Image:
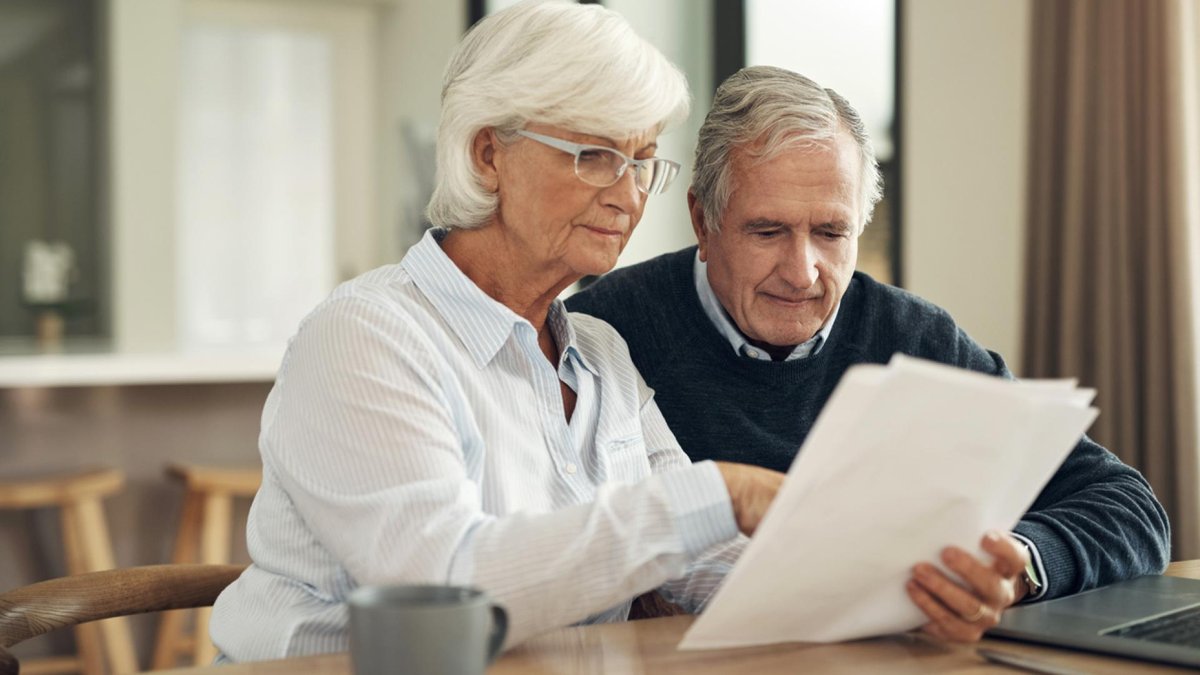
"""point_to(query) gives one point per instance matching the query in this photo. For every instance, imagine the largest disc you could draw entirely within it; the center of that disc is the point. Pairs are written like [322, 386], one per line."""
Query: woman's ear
[483, 154]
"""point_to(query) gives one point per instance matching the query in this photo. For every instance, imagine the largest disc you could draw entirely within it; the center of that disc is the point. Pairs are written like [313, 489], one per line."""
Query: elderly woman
[445, 420]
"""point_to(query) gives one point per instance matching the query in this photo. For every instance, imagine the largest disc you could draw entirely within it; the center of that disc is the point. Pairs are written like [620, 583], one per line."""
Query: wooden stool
[88, 548]
[204, 536]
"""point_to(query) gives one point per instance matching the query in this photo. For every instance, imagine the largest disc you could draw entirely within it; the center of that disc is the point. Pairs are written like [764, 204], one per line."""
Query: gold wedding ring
[979, 614]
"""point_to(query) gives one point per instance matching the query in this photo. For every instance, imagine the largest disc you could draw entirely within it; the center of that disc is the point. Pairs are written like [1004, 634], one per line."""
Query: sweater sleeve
[1097, 521]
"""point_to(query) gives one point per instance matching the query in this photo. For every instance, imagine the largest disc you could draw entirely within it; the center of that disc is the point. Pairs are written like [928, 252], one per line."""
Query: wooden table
[648, 647]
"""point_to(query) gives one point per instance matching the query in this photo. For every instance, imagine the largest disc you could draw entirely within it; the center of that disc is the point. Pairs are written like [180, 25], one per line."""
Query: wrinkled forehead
[613, 135]
[836, 155]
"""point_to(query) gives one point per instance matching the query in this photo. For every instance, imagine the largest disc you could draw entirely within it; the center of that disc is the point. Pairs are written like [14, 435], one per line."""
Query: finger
[982, 581]
[944, 623]
[966, 605]
[934, 630]
[1009, 555]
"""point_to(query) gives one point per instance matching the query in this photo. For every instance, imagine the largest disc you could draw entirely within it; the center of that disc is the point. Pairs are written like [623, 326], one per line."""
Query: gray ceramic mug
[424, 629]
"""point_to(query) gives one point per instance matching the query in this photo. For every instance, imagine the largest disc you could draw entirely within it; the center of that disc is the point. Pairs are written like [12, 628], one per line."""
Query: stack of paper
[903, 461]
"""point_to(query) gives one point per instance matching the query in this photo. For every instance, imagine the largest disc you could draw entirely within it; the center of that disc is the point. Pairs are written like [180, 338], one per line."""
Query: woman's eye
[592, 156]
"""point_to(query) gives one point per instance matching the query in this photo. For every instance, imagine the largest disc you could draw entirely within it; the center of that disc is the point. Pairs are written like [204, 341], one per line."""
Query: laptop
[1156, 618]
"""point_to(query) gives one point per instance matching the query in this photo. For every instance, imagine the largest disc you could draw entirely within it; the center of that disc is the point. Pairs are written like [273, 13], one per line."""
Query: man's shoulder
[895, 305]
[888, 319]
[637, 286]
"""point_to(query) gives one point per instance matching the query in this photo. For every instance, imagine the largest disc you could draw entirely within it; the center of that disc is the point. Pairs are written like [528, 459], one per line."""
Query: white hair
[581, 67]
[762, 111]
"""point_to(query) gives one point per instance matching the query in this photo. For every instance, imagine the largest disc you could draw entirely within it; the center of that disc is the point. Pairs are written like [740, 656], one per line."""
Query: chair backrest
[39, 608]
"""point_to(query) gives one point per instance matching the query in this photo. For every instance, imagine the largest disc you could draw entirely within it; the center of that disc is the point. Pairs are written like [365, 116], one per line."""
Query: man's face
[788, 241]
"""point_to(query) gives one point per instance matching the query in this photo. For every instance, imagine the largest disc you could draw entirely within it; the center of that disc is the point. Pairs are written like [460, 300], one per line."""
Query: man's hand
[751, 488]
[962, 610]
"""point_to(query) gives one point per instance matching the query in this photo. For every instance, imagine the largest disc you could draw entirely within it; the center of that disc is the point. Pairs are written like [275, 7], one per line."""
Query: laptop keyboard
[1177, 628]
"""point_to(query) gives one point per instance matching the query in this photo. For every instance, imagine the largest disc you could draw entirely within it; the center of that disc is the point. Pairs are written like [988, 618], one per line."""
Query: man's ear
[483, 155]
[697, 212]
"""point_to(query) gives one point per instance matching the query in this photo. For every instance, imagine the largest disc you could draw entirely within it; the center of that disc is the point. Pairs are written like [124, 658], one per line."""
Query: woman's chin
[596, 262]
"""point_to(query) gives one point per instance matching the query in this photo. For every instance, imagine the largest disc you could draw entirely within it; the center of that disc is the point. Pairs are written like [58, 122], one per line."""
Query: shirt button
[752, 353]
[571, 468]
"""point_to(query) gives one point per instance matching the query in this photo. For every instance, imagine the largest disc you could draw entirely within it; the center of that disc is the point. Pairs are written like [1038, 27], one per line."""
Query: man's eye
[766, 234]
[830, 234]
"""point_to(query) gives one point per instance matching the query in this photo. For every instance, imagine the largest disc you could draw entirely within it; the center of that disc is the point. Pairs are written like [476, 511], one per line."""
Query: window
[849, 46]
[275, 142]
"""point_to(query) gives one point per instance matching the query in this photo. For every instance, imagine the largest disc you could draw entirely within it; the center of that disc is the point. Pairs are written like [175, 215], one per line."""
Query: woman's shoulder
[381, 310]
[385, 294]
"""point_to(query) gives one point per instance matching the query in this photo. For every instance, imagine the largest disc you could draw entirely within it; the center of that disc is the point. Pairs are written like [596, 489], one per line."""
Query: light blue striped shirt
[416, 434]
[720, 320]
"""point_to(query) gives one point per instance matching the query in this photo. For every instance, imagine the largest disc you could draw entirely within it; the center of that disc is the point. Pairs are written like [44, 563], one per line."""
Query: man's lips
[786, 300]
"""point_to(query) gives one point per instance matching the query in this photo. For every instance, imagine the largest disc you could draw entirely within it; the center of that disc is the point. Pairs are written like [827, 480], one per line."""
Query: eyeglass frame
[577, 149]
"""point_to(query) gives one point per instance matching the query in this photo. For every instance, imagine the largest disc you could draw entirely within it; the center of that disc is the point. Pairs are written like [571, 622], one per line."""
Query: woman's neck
[494, 265]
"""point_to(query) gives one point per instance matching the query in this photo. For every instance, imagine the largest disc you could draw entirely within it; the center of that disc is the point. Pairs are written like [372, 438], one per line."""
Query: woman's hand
[963, 611]
[751, 488]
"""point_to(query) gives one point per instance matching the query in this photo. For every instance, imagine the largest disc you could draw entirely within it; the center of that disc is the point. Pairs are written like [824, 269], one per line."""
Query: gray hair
[764, 110]
[559, 63]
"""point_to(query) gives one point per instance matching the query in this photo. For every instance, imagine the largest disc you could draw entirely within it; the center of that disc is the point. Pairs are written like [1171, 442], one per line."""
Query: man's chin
[791, 338]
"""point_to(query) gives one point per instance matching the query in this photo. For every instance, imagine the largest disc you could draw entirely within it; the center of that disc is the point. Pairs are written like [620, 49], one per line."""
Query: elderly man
[745, 336]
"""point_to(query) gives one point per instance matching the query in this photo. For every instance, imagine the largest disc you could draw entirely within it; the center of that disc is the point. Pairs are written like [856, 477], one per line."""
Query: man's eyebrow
[836, 226]
[762, 224]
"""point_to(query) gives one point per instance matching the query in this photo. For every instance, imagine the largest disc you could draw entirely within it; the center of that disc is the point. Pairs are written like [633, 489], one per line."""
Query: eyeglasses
[602, 167]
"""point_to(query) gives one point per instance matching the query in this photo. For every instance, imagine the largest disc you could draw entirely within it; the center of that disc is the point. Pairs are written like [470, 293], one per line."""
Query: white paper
[903, 461]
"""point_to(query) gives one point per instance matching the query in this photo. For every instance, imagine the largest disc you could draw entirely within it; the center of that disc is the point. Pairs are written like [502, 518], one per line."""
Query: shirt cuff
[1036, 557]
[700, 506]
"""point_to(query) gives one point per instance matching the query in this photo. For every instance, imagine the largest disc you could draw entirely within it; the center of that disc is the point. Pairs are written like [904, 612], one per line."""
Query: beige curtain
[1109, 294]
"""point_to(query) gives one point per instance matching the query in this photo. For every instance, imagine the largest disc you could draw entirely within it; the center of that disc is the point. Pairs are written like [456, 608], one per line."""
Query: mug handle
[499, 631]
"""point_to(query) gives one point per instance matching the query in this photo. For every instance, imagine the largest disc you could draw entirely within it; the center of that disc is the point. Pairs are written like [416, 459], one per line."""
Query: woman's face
[553, 221]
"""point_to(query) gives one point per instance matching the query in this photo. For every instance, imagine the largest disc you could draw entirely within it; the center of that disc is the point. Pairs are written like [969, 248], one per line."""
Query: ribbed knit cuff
[1036, 558]
[700, 506]
[1058, 563]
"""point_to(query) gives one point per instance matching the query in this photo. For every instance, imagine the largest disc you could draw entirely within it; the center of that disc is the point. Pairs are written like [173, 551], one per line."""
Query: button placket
[554, 422]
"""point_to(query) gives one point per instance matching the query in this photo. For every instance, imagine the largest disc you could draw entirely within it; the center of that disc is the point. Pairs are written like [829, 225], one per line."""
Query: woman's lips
[605, 231]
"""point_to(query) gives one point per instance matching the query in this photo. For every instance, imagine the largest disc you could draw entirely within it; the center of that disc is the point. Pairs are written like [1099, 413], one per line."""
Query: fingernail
[992, 536]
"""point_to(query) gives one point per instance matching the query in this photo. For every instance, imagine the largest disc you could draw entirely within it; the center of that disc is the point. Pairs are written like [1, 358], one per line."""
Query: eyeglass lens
[602, 167]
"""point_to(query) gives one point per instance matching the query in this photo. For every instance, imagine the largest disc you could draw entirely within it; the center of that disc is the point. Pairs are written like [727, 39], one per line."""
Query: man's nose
[799, 264]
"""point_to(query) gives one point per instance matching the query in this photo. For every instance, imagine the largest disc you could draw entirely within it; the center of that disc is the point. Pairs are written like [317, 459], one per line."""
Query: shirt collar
[478, 320]
[564, 334]
[720, 320]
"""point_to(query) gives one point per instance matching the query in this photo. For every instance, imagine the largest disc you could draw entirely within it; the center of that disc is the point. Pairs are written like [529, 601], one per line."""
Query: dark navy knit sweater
[1096, 522]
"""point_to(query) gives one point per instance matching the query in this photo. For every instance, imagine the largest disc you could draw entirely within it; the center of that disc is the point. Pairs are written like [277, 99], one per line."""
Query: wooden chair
[70, 601]
[204, 536]
[79, 496]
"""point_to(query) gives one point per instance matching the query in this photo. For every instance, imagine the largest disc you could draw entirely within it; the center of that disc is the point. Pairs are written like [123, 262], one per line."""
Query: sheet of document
[904, 460]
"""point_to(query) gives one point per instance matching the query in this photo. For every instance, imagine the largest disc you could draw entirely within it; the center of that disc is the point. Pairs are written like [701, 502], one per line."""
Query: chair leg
[172, 639]
[97, 547]
[215, 537]
[87, 635]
